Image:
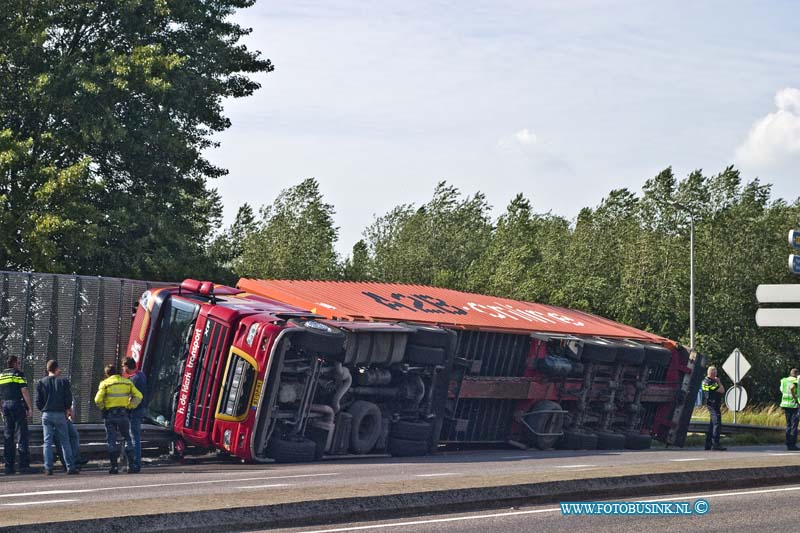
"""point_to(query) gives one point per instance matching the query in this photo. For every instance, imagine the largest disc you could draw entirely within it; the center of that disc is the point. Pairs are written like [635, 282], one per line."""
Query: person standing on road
[789, 404]
[713, 391]
[16, 407]
[139, 381]
[75, 444]
[54, 400]
[116, 396]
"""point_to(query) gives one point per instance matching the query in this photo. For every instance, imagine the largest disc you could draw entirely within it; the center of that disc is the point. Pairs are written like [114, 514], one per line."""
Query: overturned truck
[292, 371]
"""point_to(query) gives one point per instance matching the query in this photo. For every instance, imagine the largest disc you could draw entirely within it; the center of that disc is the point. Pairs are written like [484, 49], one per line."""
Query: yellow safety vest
[787, 400]
[117, 391]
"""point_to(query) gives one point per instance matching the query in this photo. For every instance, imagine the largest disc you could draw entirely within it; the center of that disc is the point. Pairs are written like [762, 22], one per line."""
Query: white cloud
[522, 141]
[774, 141]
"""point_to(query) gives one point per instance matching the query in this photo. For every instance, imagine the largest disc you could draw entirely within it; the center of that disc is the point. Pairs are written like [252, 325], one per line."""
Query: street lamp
[691, 270]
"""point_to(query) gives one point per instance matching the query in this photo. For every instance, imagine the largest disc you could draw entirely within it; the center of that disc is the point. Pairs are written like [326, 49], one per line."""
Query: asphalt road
[770, 509]
[227, 484]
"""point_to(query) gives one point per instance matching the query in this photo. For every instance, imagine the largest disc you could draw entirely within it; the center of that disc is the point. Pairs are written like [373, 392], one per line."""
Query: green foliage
[106, 109]
[294, 239]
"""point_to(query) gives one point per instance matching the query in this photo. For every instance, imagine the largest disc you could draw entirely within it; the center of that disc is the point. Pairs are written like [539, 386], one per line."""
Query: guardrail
[155, 440]
[701, 426]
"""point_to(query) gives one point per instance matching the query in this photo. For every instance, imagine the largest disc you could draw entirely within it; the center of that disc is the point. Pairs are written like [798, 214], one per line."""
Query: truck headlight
[226, 439]
[252, 334]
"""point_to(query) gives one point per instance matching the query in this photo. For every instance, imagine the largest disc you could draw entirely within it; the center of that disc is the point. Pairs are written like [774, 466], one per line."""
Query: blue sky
[562, 101]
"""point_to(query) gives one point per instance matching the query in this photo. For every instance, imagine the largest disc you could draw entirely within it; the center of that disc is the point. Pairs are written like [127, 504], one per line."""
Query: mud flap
[685, 399]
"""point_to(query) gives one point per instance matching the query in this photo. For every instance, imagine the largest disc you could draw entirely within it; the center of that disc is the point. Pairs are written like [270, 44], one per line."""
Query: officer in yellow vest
[790, 404]
[115, 397]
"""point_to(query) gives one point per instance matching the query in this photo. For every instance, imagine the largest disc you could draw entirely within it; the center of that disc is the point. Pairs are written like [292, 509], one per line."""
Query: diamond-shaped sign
[736, 366]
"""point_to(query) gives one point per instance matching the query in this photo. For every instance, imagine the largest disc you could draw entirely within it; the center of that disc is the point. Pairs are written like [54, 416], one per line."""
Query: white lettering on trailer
[187, 376]
[504, 311]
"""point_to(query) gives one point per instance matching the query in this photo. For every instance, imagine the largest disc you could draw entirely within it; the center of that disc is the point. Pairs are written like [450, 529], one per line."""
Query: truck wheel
[638, 441]
[544, 423]
[428, 336]
[607, 440]
[404, 429]
[408, 448]
[317, 338]
[291, 451]
[598, 351]
[424, 355]
[630, 354]
[366, 426]
[657, 356]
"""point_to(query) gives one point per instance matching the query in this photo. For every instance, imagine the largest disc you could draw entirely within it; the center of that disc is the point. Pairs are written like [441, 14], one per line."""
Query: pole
[736, 385]
[691, 280]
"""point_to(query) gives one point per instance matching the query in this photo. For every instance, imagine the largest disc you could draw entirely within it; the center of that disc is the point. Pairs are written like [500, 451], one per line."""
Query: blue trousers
[136, 437]
[791, 426]
[16, 422]
[118, 425]
[712, 435]
[54, 424]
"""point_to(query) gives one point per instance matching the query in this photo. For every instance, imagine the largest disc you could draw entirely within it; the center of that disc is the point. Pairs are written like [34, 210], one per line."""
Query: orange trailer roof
[418, 303]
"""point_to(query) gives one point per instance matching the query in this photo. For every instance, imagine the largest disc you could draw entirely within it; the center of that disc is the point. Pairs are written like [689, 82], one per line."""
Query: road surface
[211, 485]
[769, 509]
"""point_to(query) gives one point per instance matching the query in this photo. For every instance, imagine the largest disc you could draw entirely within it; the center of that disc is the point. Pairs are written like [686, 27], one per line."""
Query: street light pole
[691, 271]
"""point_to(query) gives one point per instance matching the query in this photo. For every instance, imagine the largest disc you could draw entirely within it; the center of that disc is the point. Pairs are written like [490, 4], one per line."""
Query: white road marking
[129, 487]
[265, 486]
[687, 459]
[539, 511]
[435, 475]
[783, 453]
[573, 466]
[17, 504]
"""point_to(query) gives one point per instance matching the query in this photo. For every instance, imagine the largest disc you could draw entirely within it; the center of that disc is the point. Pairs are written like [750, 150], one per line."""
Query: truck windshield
[168, 356]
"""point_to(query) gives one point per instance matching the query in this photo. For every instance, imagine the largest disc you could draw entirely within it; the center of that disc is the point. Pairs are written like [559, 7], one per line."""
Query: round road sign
[736, 398]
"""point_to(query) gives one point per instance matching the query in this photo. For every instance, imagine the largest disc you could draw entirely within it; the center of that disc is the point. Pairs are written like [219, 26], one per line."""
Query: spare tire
[408, 448]
[366, 426]
[657, 356]
[607, 440]
[405, 429]
[318, 338]
[291, 451]
[424, 355]
[547, 428]
[598, 351]
[638, 441]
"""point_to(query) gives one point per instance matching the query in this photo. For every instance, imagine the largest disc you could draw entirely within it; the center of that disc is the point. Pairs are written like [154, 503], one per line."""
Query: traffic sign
[794, 264]
[778, 318]
[778, 294]
[736, 366]
[794, 238]
[736, 398]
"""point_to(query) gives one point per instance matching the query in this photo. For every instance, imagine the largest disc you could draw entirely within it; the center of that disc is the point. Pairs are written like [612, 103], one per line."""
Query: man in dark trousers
[54, 400]
[116, 397]
[139, 381]
[789, 404]
[16, 405]
[713, 391]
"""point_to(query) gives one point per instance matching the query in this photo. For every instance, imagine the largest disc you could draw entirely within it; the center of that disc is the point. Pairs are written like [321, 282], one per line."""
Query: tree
[226, 250]
[294, 239]
[119, 98]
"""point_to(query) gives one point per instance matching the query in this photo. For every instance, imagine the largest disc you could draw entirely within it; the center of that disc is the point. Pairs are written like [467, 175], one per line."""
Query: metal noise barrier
[82, 321]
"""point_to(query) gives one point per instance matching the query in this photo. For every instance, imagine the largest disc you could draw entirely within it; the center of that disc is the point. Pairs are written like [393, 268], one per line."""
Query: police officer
[115, 397]
[790, 404]
[713, 390]
[16, 403]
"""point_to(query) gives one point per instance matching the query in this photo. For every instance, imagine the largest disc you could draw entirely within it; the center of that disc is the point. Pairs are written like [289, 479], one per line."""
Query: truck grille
[200, 409]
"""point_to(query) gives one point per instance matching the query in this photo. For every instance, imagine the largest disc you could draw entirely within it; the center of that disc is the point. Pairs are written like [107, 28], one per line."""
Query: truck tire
[404, 429]
[408, 448]
[424, 355]
[630, 354]
[544, 423]
[322, 339]
[638, 441]
[366, 426]
[598, 351]
[428, 336]
[606, 440]
[657, 356]
[291, 451]
[578, 440]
